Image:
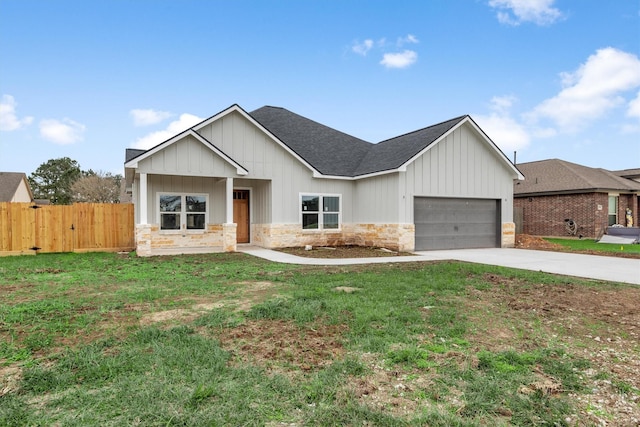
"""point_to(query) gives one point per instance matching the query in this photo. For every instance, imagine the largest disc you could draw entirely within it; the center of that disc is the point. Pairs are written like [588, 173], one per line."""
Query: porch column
[229, 198]
[229, 228]
[143, 198]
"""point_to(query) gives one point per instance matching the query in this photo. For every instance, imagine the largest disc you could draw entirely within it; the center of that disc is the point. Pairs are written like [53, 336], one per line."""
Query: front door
[241, 215]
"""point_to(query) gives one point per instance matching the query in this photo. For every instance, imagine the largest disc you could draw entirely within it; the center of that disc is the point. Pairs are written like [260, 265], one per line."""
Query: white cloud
[592, 90]
[8, 119]
[63, 132]
[362, 48]
[505, 131]
[634, 107]
[514, 12]
[184, 122]
[410, 38]
[399, 60]
[148, 117]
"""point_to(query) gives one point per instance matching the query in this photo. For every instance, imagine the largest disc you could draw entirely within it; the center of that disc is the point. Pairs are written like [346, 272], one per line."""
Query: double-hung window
[320, 211]
[183, 211]
[613, 210]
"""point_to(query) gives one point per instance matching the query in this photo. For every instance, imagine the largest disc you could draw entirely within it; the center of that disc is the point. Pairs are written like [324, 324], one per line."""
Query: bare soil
[526, 241]
[343, 252]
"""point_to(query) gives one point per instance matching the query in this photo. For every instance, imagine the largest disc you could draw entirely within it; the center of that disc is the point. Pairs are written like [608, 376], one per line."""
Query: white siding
[461, 165]
[265, 159]
[185, 184]
[376, 200]
[187, 157]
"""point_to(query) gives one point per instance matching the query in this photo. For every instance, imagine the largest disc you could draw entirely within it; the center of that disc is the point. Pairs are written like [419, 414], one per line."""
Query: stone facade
[546, 215]
[508, 234]
[399, 237]
[151, 241]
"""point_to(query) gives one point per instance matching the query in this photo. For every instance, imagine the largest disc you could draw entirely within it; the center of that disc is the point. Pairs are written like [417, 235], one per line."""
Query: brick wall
[545, 215]
[628, 201]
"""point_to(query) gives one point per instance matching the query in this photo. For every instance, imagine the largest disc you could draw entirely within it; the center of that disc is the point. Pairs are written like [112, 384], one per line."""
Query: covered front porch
[182, 214]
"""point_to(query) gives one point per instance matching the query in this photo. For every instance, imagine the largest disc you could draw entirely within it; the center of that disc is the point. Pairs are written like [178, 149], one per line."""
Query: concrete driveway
[613, 269]
[587, 266]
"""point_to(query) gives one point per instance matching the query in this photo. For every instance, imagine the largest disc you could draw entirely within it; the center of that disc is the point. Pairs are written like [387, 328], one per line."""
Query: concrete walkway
[612, 269]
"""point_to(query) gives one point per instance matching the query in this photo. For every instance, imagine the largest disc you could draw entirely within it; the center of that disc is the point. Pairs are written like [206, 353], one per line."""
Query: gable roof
[559, 176]
[395, 152]
[135, 156]
[335, 153]
[9, 183]
[328, 152]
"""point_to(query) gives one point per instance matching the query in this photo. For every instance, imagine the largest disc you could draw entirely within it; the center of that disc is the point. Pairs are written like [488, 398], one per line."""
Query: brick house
[559, 198]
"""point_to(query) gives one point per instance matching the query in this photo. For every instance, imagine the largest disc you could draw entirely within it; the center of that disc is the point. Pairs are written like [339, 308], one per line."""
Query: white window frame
[183, 213]
[320, 212]
[616, 198]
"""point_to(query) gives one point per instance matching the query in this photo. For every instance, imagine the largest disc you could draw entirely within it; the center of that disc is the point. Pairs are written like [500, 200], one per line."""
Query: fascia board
[355, 178]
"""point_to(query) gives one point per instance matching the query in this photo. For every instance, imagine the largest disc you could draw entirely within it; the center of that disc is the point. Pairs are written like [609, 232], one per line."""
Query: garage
[449, 223]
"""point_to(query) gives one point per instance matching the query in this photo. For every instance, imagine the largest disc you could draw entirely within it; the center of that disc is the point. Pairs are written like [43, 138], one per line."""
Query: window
[183, 211]
[320, 212]
[613, 210]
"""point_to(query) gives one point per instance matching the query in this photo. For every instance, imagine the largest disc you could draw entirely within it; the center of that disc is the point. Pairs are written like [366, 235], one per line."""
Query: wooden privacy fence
[81, 227]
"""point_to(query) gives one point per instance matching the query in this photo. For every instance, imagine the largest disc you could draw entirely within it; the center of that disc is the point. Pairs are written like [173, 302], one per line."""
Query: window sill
[173, 232]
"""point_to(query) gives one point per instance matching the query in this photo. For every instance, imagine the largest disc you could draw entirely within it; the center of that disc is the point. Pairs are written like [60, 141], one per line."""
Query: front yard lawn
[228, 339]
[593, 247]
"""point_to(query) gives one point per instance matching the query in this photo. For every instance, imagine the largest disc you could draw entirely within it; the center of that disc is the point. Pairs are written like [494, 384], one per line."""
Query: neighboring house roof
[9, 184]
[628, 173]
[329, 152]
[558, 176]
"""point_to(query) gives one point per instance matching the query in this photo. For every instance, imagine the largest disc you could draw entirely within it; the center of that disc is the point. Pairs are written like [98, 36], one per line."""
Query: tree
[53, 179]
[97, 187]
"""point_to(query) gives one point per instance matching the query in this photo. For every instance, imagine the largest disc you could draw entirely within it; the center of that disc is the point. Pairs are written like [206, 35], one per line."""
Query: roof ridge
[316, 122]
[459, 118]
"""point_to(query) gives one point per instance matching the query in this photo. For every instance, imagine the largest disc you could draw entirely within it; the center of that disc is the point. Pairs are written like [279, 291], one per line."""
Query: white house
[273, 178]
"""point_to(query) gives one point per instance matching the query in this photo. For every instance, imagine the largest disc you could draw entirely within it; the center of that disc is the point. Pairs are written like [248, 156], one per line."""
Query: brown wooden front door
[241, 215]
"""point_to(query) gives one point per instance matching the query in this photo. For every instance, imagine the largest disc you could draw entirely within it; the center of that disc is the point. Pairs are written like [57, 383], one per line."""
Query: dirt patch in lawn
[280, 343]
[599, 324]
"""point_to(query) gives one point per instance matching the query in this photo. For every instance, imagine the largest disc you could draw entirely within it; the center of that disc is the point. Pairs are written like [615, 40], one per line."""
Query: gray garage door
[456, 223]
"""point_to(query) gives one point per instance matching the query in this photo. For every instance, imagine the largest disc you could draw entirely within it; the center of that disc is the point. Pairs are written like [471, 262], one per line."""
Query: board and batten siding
[461, 165]
[264, 159]
[376, 199]
[187, 157]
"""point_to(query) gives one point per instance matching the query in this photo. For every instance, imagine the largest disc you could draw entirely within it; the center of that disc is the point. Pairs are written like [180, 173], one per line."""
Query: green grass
[75, 326]
[592, 245]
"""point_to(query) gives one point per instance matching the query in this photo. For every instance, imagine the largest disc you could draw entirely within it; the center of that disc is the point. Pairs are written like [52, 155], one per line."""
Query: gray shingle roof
[559, 176]
[132, 153]
[329, 151]
[628, 173]
[394, 152]
[332, 152]
[9, 182]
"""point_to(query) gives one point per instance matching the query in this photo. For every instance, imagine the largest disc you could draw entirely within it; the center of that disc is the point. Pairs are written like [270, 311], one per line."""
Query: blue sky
[548, 78]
